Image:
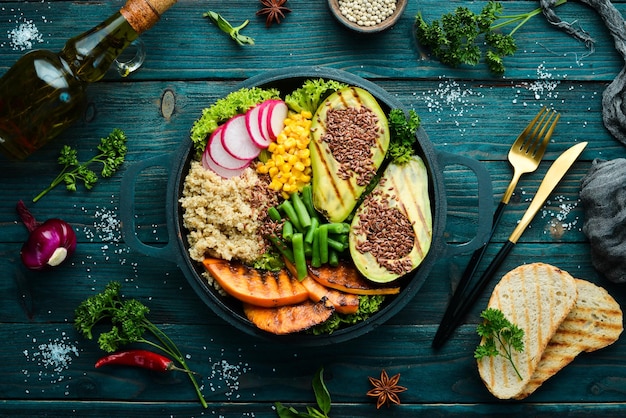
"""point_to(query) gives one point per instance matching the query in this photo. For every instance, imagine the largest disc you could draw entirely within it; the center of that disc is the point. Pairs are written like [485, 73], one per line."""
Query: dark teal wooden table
[47, 368]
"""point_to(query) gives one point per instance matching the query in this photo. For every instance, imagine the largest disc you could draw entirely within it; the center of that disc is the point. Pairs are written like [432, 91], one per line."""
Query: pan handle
[127, 211]
[485, 203]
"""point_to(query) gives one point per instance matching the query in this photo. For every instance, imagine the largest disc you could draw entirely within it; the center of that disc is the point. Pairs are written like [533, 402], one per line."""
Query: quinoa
[224, 217]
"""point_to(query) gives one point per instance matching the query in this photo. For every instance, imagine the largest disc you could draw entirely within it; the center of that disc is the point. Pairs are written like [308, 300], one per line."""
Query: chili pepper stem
[173, 367]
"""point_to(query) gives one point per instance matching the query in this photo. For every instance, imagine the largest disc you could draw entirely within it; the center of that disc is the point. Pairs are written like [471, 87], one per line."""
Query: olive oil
[43, 93]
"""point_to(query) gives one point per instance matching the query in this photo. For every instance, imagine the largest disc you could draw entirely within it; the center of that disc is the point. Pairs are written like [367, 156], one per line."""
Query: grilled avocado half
[349, 139]
[391, 231]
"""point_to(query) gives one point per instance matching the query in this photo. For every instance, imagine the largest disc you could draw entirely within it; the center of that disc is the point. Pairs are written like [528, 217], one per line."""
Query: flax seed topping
[387, 231]
[351, 133]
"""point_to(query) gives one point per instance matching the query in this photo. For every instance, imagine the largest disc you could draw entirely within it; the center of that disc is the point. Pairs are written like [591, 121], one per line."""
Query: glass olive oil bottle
[43, 93]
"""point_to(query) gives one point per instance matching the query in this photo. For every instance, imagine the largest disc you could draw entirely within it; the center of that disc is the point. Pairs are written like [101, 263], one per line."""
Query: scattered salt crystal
[452, 101]
[52, 358]
[559, 222]
[225, 376]
[24, 36]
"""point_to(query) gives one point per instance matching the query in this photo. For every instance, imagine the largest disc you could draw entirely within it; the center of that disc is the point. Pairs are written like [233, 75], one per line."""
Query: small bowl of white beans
[367, 16]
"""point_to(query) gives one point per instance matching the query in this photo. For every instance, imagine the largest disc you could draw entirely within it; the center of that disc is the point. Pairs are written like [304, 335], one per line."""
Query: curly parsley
[112, 154]
[498, 332]
[454, 39]
[129, 324]
[403, 130]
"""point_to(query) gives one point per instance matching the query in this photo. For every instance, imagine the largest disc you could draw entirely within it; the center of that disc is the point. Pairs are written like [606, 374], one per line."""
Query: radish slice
[219, 155]
[253, 126]
[276, 118]
[209, 164]
[236, 140]
[264, 117]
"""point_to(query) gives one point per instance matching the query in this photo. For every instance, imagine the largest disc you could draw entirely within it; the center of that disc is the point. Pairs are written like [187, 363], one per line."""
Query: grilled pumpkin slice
[260, 288]
[346, 278]
[289, 319]
[344, 303]
[349, 139]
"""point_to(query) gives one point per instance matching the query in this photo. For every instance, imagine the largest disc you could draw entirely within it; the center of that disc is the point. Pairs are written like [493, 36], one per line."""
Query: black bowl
[287, 80]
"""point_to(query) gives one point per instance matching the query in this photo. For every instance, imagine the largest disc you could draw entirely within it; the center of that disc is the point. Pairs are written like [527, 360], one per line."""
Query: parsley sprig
[454, 39]
[129, 324]
[403, 129]
[112, 154]
[498, 332]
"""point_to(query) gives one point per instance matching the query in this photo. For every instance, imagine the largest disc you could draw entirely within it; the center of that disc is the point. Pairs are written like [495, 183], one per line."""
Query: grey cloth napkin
[603, 197]
[613, 104]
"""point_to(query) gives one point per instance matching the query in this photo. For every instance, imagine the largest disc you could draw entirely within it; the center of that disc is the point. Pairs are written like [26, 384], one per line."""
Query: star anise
[386, 389]
[274, 10]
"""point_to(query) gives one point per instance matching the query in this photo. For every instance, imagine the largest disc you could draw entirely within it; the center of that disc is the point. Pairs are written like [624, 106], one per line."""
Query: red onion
[48, 244]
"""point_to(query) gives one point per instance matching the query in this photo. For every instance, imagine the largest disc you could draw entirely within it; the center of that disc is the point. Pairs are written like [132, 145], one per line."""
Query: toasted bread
[594, 322]
[537, 298]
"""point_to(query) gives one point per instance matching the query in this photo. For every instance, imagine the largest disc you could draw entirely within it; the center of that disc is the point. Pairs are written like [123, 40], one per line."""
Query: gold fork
[525, 155]
[528, 149]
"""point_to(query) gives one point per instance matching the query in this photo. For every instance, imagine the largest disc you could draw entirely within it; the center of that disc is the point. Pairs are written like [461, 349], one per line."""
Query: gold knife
[455, 315]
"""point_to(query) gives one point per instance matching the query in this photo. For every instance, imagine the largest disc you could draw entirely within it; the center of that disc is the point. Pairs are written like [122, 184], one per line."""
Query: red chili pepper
[140, 358]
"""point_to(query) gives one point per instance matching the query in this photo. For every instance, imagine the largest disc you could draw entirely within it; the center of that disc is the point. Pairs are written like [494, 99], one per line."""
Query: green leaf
[322, 396]
[287, 412]
[499, 337]
[225, 26]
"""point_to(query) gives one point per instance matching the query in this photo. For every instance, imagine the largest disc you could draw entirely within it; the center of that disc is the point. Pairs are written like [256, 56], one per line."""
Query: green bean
[307, 199]
[308, 250]
[282, 247]
[342, 238]
[338, 228]
[308, 238]
[287, 208]
[323, 243]
[315, 254]
[301, 211]
[333, 258]
[287, 231]
[298, 255]
[335, 245]
[274, 214]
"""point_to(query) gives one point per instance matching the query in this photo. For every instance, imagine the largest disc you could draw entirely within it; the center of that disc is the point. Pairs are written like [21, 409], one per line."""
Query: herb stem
[524, 17]
[508, 354]
[172, 350]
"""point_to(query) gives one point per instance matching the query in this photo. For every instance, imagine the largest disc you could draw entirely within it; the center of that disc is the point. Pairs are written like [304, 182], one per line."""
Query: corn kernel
[290, 159]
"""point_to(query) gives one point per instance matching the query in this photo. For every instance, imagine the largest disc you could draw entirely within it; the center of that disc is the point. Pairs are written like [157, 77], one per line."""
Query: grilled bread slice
[594, 322]
[537, 298]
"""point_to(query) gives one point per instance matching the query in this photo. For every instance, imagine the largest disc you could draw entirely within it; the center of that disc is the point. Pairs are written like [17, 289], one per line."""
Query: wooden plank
[232, 371]
[55, 409]
[174, 50]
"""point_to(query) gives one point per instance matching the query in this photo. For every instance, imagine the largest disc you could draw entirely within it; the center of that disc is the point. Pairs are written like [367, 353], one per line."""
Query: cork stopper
[143, 14]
